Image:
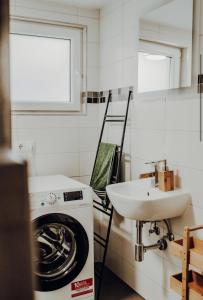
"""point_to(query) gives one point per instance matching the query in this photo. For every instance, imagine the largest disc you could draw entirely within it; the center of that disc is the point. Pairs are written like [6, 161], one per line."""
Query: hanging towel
[103, 169]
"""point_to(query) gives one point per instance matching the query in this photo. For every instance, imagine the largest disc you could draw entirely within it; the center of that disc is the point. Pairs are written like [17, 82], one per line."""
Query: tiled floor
[115, 289]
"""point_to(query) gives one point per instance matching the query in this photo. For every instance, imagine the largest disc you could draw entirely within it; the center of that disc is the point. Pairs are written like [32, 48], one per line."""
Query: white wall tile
[191, 179]
[86, 163]
[119, 42]
[52, 164]
[88, 139]
[55, 140]
[130, 43]
[149, 114]
[130, 66]
[148, 144]
[183, 147]
[111, 50]
[93, 55]
[181, 114]
[130, 15]
[92, 79]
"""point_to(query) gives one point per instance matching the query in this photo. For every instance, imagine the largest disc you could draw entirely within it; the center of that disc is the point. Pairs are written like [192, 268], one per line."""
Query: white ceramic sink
[138, 200]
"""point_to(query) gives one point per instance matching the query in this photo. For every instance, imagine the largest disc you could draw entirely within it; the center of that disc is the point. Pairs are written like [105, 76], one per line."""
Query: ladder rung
[102, 210]
[99, 236]
[100, 243]
[100, 204]
[114, 121]
[115, 116]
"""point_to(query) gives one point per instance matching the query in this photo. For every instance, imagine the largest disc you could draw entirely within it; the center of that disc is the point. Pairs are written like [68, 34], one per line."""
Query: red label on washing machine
[82, 287]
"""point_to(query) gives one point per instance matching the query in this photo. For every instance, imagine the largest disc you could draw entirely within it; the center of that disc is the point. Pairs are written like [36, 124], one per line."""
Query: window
[158, 67]
[45, 67]
[154, 72]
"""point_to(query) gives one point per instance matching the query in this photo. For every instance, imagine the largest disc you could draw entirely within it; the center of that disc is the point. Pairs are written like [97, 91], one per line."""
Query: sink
[138, 200]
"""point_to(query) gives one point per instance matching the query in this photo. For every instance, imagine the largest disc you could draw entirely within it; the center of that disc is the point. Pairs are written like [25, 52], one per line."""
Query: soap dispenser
[166, 179]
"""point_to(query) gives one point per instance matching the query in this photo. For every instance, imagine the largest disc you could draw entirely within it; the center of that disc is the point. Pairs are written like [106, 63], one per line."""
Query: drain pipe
[140, 249]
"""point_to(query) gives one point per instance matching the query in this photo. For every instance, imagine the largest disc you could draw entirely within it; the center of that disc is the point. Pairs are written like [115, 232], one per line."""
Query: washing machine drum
[61, 250]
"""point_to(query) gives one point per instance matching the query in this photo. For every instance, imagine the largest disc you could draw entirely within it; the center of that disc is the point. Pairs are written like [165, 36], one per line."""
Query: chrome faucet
[156, 168]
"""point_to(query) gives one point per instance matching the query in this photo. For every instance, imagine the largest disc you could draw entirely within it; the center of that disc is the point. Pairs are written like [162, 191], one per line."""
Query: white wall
[118, 59]
[64, 144]
[162, 125]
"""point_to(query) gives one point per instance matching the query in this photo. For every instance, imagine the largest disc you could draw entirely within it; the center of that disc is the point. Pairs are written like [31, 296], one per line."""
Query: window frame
[58, 30]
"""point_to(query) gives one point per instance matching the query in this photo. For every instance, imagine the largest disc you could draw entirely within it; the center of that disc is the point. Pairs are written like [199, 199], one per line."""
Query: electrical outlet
[24, 146]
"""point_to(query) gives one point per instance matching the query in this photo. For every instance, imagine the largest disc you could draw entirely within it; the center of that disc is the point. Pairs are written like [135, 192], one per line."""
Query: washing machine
[62, 218]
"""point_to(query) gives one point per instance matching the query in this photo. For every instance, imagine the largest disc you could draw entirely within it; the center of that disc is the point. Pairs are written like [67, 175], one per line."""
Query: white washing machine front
[63, 235]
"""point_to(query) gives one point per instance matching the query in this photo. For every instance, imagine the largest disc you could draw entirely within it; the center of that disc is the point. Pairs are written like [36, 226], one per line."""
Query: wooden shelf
[189, 284]
[195, 249]
[195, 286]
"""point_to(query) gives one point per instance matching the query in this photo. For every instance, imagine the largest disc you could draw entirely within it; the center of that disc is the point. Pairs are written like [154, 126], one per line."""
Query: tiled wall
[162, 125]
[118, 60]
[64, 144]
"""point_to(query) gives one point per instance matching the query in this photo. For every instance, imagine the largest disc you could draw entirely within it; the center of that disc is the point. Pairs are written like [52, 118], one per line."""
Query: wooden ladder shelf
[189, 283]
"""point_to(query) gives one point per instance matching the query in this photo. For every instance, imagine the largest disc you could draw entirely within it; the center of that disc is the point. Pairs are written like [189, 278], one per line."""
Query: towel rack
[101, 240]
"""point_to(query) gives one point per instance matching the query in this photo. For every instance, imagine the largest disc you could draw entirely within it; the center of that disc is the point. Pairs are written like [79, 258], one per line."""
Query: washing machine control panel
[65, 197]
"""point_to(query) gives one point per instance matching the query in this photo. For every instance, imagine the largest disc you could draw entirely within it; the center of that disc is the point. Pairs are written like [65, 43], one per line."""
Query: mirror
[165, 47]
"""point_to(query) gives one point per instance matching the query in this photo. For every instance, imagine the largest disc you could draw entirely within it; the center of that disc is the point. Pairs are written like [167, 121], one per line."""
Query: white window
[154, 72]
[45, 66]
[158, 67]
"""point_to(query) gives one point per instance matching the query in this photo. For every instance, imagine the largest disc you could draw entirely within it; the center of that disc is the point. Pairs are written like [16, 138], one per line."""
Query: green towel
[103, 169]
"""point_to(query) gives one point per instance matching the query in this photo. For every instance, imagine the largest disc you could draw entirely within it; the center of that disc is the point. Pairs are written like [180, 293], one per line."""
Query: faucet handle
[152, 162]
[157, 163]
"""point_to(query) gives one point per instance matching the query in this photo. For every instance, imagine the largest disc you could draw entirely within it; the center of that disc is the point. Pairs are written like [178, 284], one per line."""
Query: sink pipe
[141, 249]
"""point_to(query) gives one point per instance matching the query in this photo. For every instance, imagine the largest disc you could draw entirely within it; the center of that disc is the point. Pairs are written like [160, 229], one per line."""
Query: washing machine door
[62, 249]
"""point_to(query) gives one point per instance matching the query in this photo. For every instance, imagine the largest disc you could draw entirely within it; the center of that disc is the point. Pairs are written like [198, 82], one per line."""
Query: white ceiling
[85, 3]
